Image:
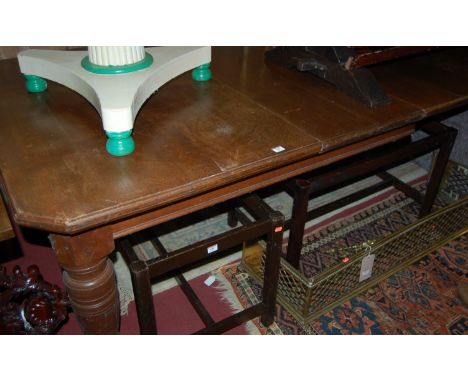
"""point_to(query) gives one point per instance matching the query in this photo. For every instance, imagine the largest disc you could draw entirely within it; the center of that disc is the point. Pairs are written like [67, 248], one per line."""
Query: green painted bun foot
[35, 84]
[120, 144]
[202, 73]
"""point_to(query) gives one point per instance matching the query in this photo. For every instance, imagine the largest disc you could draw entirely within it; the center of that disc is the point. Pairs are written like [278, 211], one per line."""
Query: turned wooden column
[90, 279]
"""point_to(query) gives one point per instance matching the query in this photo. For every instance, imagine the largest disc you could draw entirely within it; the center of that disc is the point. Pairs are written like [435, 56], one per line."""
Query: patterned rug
[421, 299]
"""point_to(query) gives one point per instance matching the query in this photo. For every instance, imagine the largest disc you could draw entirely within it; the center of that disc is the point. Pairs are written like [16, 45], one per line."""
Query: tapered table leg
[90, 279]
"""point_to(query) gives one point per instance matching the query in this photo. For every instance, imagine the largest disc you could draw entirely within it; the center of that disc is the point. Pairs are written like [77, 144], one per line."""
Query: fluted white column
[115, 55]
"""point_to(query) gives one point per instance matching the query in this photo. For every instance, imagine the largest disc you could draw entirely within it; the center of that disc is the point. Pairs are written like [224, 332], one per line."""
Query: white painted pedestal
[117, 97]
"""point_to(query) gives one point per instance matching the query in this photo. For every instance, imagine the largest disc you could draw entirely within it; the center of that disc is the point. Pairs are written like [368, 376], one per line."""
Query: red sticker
[278, 229]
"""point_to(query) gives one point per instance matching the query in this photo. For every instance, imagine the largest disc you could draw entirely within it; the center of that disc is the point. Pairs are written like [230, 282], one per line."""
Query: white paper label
[210, 280]
[366, 267]
[278, 149]
[213, 248]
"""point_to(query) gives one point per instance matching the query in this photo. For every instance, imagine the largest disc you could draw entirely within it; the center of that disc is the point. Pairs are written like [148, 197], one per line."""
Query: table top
[193, 137]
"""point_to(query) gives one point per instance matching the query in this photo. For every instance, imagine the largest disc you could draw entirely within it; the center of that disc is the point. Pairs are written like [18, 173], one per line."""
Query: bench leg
[437, 172]
[143, 297]
[271, 273]
[232, 219]
[298, 221]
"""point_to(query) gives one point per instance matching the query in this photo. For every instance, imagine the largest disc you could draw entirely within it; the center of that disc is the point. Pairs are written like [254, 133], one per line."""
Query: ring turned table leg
[90, 279]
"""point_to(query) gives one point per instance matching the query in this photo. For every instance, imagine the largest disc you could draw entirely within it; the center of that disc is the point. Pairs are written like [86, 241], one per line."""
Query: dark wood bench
[264, 223]
[438, 138]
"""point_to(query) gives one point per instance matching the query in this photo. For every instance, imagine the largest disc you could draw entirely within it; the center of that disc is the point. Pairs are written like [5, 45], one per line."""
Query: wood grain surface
[192, 138]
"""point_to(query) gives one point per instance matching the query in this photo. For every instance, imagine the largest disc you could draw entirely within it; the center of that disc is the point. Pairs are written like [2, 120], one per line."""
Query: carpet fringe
[226, 291]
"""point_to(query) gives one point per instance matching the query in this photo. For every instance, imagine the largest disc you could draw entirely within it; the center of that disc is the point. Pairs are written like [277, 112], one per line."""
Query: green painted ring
[118, 69]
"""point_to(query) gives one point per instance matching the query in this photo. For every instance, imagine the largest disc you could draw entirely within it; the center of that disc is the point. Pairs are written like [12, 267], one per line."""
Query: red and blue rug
[421, 299]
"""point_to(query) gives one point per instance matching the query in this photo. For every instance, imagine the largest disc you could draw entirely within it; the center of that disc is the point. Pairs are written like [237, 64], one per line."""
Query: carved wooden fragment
[30, 305]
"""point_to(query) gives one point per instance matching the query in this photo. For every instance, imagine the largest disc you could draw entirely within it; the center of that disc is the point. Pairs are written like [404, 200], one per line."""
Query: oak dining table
[197, 144]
